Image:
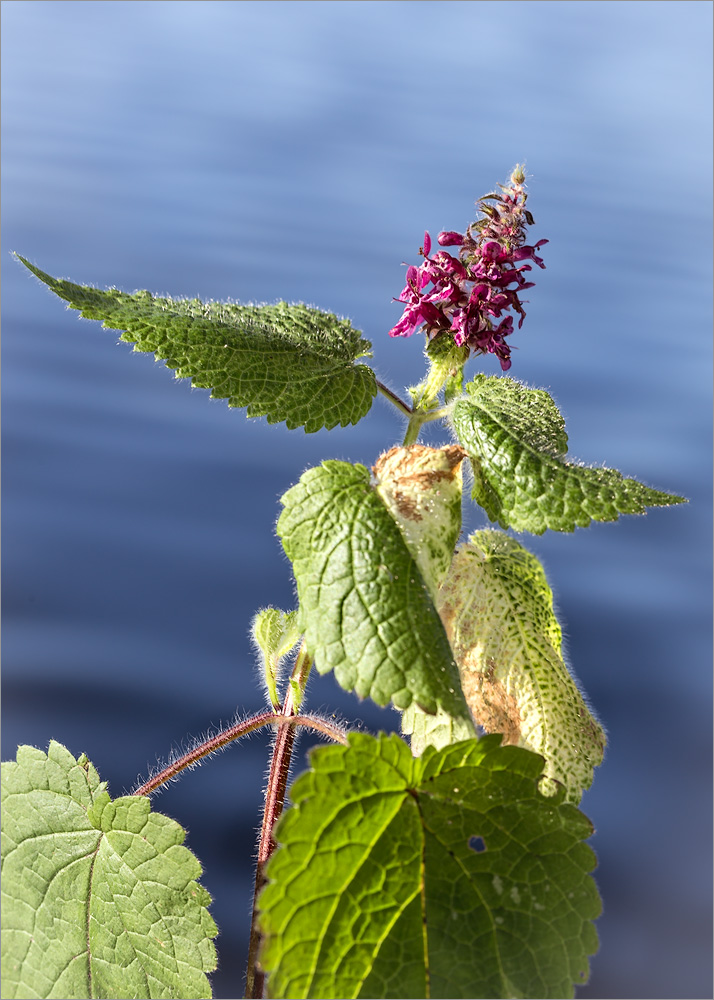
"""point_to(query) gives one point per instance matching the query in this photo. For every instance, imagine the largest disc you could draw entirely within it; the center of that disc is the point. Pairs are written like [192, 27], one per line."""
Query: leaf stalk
[394, 399]
[226, 736]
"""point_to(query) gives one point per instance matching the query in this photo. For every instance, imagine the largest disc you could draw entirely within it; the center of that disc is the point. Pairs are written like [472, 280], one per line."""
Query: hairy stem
[416, 417]
[274, 800]
[394, 399]
[314, 722]
[300, 675]
[413, 429]
[416, 421]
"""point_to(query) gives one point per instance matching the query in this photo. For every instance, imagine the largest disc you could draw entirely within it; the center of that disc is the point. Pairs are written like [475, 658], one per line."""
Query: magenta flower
[467, 297]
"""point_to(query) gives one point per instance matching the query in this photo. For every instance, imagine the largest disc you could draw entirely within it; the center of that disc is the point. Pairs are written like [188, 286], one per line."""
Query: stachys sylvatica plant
[448, 863]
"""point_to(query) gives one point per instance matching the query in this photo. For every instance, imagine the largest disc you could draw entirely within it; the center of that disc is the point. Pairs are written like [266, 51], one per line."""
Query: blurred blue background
[298, 150]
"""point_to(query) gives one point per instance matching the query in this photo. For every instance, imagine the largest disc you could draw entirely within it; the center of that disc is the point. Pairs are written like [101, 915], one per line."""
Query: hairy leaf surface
[516, 440]
[497, 609]
[365, 607]
[99, 897]
[275, 633]
[284, 362]
[447, 875]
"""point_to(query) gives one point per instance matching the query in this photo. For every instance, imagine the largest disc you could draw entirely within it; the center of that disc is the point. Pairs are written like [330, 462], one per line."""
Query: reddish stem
[234, 733]
[274, 801]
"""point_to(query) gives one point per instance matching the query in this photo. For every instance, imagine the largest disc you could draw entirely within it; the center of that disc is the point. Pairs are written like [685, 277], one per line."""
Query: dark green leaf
[284, 362]
[365, 606]
[516, 440]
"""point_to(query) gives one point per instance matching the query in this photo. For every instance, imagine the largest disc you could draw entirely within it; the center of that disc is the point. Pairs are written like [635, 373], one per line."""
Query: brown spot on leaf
[416, 469]
[491, 705]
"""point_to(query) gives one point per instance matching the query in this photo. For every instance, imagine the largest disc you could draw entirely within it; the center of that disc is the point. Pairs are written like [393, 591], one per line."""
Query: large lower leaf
[516, 440]
[284, 362]
[365, 607]
[497, 609]
[99, 898]
[448, 875]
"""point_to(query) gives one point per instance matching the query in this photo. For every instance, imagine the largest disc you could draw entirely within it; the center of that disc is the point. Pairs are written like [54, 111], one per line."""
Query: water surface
[298, 150]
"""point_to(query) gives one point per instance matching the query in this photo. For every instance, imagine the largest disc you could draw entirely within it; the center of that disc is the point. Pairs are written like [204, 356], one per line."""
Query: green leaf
[365, 607]
[421, 489]
[99, 896]
[516, 440]
[284, 362]
[497, 609]
[447, 875]
[275, 633]
[438, 730]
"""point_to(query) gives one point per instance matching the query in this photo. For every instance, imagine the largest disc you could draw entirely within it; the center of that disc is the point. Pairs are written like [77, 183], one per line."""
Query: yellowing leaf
[497, 609]
[421, 489]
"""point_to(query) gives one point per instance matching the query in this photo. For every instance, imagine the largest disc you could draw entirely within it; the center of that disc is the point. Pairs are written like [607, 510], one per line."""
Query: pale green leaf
[99, 897]
[448, 875]
[421, 489]
[365, 607]
[516, 440]
[497, 609]
[438, 730]
[285, 362]
[275, 633]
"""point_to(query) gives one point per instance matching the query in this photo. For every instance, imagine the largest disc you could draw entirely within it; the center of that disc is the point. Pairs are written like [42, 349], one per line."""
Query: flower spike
[469, 297]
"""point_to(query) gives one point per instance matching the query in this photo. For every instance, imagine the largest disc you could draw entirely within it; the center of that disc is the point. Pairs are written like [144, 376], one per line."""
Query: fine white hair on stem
[179, 762]
[188, 746]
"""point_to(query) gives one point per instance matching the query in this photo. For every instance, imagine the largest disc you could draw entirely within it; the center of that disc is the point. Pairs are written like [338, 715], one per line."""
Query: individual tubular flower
[471, 298]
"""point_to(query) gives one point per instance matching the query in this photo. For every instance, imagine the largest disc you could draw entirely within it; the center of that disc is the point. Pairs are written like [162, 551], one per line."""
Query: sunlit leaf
[448, 875]
[516, 440]
[289, 363]
[365, 607]
[497, 609]
[99, 897]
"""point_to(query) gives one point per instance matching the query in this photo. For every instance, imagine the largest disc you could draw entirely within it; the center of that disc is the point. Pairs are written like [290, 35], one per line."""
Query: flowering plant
[449, 861]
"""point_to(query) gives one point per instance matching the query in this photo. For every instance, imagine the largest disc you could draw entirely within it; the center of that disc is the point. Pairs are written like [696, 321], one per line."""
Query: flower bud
[450, 239]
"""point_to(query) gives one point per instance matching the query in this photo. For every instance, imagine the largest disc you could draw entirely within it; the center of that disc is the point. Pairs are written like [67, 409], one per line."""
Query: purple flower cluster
[468, 297]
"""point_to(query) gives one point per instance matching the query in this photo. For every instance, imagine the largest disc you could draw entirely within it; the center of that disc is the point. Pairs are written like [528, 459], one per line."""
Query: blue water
[299, 150]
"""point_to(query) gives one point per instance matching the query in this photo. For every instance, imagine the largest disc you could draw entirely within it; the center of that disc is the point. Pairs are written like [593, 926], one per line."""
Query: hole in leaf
[477, 844]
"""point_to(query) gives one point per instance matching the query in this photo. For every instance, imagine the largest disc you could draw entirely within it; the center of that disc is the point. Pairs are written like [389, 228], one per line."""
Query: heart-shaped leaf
[100, 898]
[446, 875]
